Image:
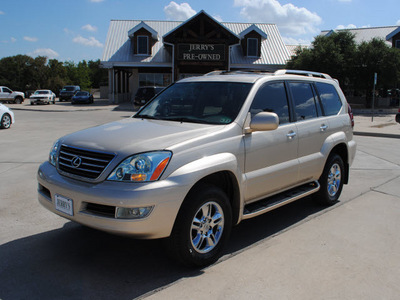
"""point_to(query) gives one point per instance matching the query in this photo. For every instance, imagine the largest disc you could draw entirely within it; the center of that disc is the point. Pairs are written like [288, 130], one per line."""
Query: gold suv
[203, 155]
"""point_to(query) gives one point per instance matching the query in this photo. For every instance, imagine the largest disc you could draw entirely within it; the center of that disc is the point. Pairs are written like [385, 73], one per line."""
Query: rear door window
[305, 104]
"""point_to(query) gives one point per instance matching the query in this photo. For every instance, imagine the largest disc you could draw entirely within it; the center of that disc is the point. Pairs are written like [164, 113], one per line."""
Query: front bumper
[166, 197]
[40, 101]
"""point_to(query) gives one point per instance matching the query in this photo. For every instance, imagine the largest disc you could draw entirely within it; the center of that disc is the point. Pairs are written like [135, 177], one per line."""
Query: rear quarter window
[330, 99]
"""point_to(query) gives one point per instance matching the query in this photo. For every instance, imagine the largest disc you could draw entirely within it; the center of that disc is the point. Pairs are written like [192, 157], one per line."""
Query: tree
[376, 57]
[353, 65]
[333, 54]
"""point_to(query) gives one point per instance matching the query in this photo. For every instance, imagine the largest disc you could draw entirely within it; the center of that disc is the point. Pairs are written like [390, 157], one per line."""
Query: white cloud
[344, 0]
[91, 41]
[350, 26]
[90, 28]
[398, 23]
[96, 1]
[13, 39]
[49, 53]
[178, 12]
[30, 39]
[2, 12]
[289, 18]
[218, 18]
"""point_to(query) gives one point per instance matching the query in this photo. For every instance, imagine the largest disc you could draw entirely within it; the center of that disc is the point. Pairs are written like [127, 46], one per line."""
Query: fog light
[133, 212]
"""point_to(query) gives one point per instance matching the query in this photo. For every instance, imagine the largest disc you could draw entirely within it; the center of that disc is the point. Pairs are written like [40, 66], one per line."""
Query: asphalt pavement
[348, 251]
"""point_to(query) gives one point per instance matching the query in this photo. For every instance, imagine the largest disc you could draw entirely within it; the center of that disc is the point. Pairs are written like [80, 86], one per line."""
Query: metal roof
[366, 34]
[118, 48]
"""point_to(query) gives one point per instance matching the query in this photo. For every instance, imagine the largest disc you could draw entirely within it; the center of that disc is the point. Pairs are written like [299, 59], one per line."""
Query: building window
[252, 47]
[142, 45]
[154, 79]
[397, 44]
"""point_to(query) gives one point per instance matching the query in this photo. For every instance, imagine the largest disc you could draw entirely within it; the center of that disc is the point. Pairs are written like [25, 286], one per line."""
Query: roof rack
[243, 71]
[303, 73]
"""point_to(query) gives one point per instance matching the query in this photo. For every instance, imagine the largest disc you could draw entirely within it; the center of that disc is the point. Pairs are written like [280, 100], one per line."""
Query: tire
[5, 122]
[331, 181]
[18, 100]
[202, 227]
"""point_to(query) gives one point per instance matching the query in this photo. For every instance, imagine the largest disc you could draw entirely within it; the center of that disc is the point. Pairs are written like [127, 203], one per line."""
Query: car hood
[130, 136]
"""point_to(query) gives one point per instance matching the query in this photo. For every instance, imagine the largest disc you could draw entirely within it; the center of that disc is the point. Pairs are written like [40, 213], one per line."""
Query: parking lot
[300, 251]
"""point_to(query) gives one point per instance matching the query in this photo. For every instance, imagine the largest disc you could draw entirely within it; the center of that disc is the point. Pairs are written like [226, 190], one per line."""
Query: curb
[376, 134]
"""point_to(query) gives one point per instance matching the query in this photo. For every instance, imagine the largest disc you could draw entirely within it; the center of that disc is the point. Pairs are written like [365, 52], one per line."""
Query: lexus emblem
[76, 161]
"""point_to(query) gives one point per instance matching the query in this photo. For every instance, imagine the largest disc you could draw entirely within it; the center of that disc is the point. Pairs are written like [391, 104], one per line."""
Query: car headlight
[142, 167]
[53, 153]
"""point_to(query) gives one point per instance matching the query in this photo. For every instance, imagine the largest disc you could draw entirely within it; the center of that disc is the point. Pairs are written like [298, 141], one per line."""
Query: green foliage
[22, 73]
[353, 65]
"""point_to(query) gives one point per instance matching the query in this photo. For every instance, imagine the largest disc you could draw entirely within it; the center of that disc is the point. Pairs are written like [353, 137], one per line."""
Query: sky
[76, 30]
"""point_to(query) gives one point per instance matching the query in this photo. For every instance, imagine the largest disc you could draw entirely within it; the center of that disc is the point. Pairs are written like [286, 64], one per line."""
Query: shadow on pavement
[76, 262]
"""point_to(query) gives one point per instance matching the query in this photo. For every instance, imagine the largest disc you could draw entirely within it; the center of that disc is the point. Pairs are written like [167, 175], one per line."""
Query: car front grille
[83, 163]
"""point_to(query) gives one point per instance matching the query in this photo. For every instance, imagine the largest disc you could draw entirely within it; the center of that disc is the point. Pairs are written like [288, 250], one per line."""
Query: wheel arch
[227, 182]
[341, 150]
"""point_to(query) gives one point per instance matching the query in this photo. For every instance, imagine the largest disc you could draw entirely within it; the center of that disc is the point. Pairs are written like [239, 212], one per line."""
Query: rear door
[271, 162]
[312, 127]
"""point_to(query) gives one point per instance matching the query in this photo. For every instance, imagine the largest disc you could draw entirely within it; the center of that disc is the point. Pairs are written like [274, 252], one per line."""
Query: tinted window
[329, 97]
[272, 97]
[198, 102]
[304, 100]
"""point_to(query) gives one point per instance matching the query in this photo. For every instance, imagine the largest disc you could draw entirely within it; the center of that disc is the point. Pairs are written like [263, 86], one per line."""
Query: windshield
[69, 88]
[198, 102]
[41, 92]
[82, 94]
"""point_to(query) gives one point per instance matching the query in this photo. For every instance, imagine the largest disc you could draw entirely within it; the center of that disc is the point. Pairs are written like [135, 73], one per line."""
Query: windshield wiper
[146, 117]
[184, 119]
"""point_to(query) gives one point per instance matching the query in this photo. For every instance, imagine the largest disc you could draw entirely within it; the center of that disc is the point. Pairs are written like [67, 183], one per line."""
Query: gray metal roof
[367, 34]
[118, 49]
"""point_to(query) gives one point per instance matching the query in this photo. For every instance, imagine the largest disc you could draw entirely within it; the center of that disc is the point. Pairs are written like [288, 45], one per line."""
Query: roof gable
[392, 34]
[200, 26]
[251, 28]
[143, 25]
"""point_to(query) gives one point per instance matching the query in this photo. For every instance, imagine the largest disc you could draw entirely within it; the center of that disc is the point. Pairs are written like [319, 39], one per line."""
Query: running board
[257, 208]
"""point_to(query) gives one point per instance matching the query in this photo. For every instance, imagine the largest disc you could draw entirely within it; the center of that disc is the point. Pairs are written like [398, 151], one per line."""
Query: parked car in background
[145, 93]
[82, 97]
[68, 92]
[9, 96]
[43, 97]
[6, 117]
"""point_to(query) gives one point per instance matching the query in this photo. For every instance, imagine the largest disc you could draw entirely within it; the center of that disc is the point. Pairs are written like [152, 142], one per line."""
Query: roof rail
[303, 73]
[240, 71]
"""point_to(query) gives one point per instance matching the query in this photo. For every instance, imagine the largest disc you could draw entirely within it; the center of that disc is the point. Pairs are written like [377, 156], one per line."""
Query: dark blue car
[82, 97]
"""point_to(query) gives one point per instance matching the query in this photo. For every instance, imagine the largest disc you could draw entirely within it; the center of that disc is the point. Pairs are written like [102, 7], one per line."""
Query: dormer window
[252, 47]
[251, 40]
[142, 45]
[143, 38]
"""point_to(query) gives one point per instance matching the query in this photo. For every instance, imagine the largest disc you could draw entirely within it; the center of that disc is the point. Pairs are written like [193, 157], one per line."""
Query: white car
[6, 117]
[43, 97]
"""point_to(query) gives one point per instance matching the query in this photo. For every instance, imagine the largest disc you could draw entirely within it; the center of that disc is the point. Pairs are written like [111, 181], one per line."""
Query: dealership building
[156, 53]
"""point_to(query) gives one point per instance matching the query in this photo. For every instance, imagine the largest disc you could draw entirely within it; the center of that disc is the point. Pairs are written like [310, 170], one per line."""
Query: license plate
[64, 205]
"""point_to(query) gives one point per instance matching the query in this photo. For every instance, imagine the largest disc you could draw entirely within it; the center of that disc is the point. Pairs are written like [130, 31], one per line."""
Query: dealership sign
[201, 52]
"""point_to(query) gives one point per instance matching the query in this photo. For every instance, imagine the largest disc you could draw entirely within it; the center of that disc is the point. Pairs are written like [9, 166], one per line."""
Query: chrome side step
[258, 208]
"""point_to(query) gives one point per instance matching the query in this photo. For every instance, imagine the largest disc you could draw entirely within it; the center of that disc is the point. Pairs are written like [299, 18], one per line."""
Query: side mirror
[264, 121]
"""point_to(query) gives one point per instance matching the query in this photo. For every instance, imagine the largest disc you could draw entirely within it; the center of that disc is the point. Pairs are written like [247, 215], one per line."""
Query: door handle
[323, 127]
[291, 134]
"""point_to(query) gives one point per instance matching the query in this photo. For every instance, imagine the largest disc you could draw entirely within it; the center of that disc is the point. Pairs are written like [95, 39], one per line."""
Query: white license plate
[64, 205]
